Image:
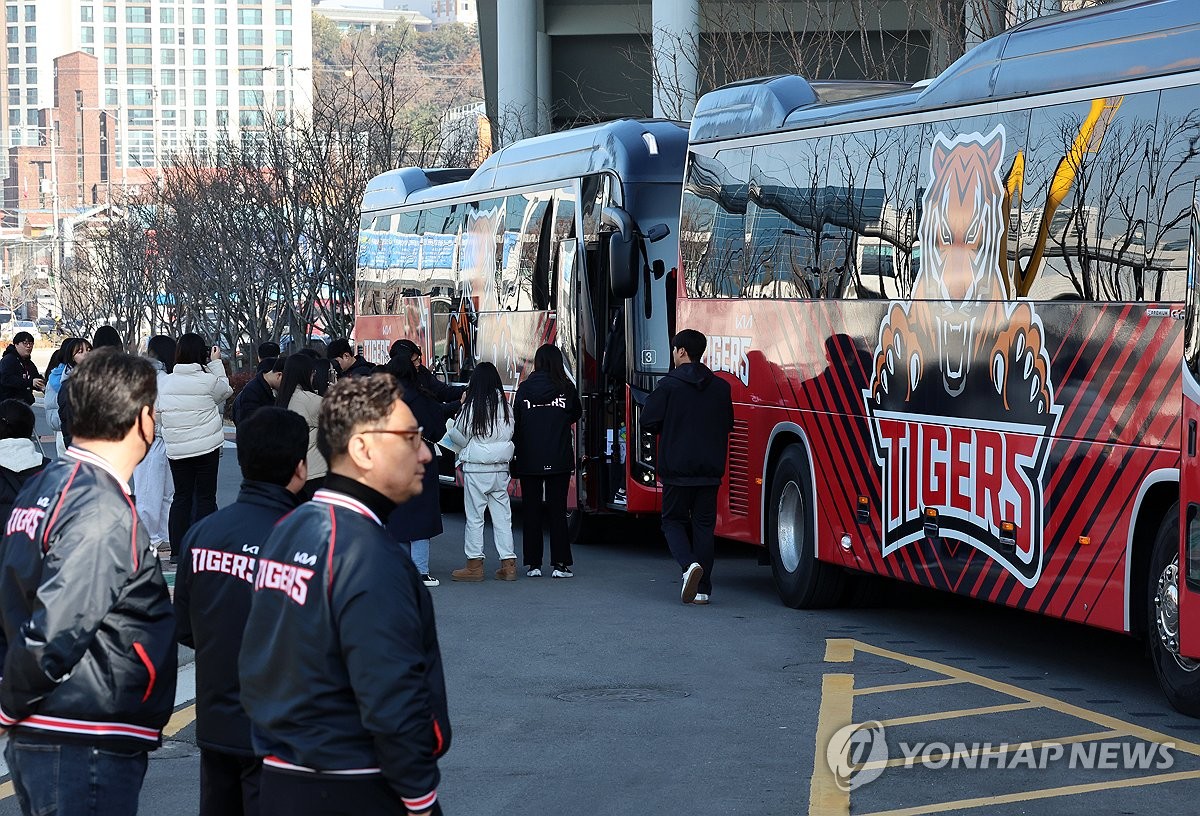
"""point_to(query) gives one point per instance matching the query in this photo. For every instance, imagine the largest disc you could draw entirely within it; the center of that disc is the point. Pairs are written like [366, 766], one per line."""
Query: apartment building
[169, 71]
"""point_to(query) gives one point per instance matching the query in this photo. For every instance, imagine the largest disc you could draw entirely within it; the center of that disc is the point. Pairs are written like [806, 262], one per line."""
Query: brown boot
[508, 570]
[473, 571]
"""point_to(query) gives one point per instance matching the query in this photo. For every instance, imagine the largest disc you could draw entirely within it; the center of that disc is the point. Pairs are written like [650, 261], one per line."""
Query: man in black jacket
[340, 668]
[260, 391]
[429, 381]
[348, 363]
[691, 411]
[88, 634]
[19, 377]
[213, 588]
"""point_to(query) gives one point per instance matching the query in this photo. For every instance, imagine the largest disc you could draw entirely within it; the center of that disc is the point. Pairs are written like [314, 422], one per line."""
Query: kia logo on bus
[960, 402]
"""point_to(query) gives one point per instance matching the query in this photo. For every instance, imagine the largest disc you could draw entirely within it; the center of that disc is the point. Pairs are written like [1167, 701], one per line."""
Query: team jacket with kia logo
[88, 633]
[340, 668]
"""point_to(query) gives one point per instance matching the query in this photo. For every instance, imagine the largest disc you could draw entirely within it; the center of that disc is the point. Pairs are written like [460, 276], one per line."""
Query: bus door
[601, 391]
[1186, 573]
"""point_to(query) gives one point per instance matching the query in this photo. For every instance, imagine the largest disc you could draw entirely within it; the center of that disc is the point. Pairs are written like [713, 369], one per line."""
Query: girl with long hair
[298, 393]
[483, 432]
[189, 409]
[546, 406]
[69, 354]
[419, 519]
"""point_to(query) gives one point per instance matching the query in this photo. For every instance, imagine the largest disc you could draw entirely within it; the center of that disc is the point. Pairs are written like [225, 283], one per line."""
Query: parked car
[27, 326]
[46, 325]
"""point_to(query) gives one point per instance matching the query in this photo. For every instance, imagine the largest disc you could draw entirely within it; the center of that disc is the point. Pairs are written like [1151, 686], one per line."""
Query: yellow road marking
[839, 650]
[1045, 701]
[962, 712]
[180, 720]
[1045, 793]
[921, 684]
[1004, 748]
[825, 798]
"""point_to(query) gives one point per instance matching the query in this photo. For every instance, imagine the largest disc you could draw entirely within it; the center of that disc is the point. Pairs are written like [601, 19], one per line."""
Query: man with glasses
[341, 674]
[19, 377]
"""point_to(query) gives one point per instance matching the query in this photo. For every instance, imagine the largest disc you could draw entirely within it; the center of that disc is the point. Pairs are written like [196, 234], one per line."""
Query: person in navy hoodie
[213, 588]
[545, 407]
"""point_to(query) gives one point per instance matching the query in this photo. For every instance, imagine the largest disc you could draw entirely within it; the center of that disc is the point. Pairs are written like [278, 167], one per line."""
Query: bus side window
[1176, 136]
[1087, 181]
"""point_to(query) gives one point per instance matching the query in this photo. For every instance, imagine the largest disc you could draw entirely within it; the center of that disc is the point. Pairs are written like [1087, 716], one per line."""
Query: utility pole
[56, 242]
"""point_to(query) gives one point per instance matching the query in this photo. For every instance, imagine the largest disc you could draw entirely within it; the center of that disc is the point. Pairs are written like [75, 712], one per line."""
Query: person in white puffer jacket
[483, 435]
[189, 411]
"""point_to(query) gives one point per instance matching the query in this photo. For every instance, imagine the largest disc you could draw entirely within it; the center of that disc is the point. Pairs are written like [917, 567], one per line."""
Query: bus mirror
[622, 265]
[619, 220]
[657, 233]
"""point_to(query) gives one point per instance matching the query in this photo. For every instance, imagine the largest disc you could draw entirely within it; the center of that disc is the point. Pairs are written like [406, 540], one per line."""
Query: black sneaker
[533, 572]
[562, 571]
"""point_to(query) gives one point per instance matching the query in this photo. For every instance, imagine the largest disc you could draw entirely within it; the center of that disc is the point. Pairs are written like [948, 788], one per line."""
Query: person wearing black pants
[545, 407]
[691, 411]
[544, 503]
[195, 481]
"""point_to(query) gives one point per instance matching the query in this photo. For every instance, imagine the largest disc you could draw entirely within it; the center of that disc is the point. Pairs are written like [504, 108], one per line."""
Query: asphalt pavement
[602, 694]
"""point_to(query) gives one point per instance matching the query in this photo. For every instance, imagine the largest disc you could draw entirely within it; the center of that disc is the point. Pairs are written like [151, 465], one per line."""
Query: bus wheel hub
[1166, 614]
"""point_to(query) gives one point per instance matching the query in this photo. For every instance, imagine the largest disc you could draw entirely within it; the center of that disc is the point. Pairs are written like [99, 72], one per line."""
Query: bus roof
[1094, 46]
[637, 150]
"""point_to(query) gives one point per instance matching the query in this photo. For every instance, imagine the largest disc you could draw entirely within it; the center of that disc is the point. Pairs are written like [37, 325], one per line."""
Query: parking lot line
[962, 712]
[1044, 793]
[837, 709]
[902, 762]
[922, 684]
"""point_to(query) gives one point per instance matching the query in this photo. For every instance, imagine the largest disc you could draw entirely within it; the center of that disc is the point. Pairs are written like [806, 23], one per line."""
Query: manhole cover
[175, 749]
[620, 695]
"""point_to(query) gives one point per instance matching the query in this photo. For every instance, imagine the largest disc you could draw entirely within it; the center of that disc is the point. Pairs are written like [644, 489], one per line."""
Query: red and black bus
[960, 322]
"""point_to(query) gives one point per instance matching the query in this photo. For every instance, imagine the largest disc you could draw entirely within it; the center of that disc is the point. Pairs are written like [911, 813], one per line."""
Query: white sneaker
[534, 572]
[562, 571]
[701, 598]
[691, 580]
[429, 581]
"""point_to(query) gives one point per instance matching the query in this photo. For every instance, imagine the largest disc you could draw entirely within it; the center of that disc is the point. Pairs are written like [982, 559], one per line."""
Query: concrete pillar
[543, 82]
[676, 38]
[516, 70]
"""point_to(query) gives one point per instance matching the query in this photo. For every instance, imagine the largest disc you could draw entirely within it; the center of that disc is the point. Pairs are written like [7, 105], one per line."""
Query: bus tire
[1178, 676]
[802, 581]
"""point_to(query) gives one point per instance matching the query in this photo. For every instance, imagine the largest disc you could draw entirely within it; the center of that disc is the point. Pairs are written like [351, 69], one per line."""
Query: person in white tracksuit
[483, 433]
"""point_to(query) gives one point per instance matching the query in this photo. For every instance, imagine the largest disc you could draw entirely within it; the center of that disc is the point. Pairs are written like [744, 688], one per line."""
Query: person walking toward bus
[88, 633]
[340, 669]
[189, 407]
[483, 433]
[298, 393]
[420, 518]
[545, 407]
[691, 413]
[153, 486]
[213, 588]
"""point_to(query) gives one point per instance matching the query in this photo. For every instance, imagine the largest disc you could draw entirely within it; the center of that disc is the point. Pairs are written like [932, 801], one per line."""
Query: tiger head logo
[960, 402]
[961, 234]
